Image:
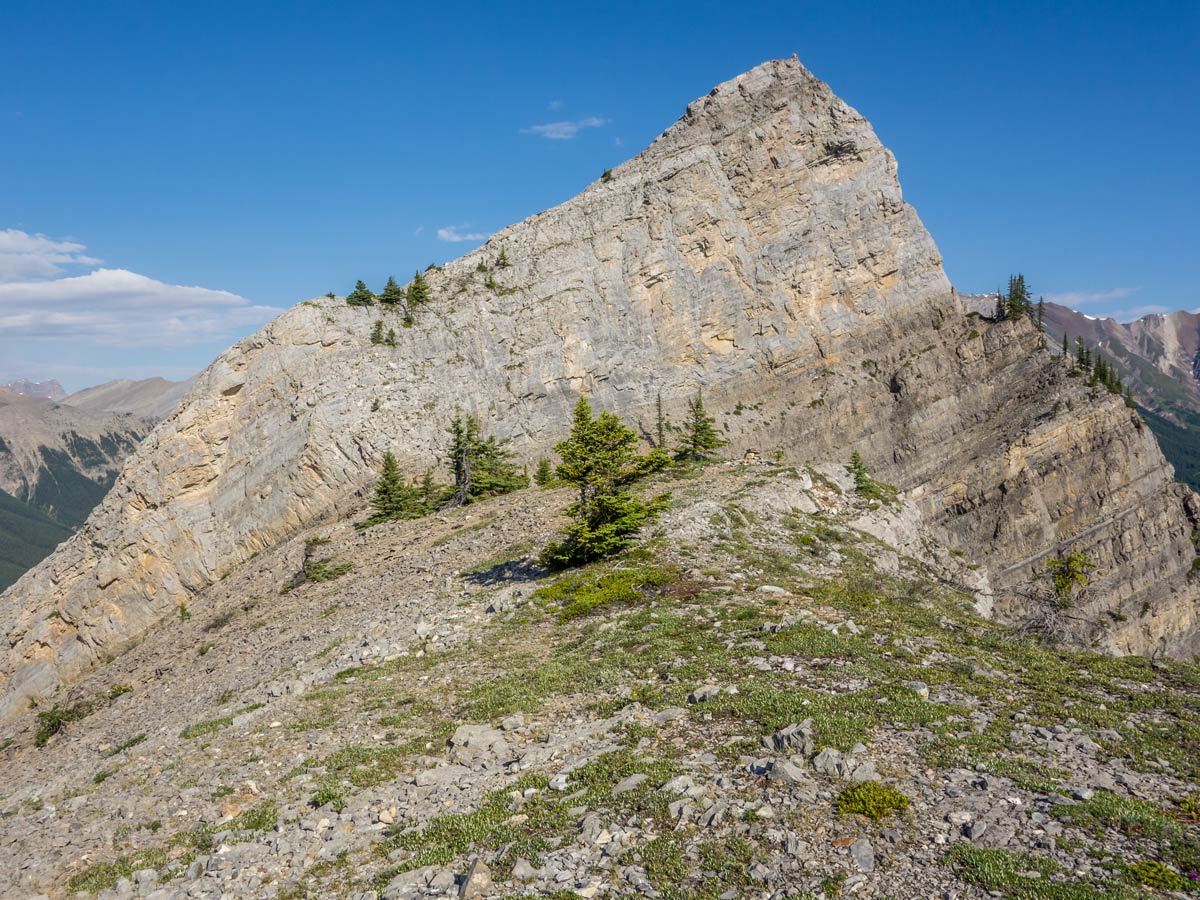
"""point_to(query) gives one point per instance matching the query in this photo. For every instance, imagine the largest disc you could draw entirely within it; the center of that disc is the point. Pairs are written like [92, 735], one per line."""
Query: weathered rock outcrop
[760, 248]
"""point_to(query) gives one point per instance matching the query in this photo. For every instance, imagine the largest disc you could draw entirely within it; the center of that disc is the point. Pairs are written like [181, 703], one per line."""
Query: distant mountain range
[49, 390]
[59, 455]
[1158, 358]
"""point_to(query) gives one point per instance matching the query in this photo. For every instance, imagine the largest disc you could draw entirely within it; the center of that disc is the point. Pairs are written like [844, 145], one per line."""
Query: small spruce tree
[543, 476]
[360, 296]
[866, 486]
[699, 438]
[482, 466]
[390, 340]
[377, 332]
[392, 293]
[502, 260]
[1019, 301]
[418, 291]
[601, 460]
[1069, 576]
[660, 424]
[393, 499]
[431, 492]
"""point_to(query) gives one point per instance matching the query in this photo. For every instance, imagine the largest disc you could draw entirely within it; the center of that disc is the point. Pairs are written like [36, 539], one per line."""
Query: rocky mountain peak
[760, 249]
[48, 390]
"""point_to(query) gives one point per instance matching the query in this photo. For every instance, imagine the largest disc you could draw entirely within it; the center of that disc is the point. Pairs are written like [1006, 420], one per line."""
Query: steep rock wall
[760, 248]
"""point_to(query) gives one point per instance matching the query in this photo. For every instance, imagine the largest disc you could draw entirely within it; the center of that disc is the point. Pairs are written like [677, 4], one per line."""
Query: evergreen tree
[1129, 399]
[1018, 303]
[601, 460]
[393, 498]
[1069, 576]
[1066, 348]
[700, 438]
[482, 466]
[418, 291]
[502, 260]
[431, 494]
[392, 293]
[543, 476]
[858, 471]
[660, 424]
[866, 486]
[1001, 308]
[1041, 315]
[360, 296]
[390, 340]
[377, 332]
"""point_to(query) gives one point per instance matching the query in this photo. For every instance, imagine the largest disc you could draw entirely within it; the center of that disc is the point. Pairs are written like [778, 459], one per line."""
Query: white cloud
[1075, 299]
[118, 307]
[453, 234]
[24, 255]
[554, 104]
[564, 131]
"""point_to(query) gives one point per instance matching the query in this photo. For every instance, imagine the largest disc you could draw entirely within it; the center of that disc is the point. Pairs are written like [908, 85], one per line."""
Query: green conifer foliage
[393, 499]
[418, 291]
[482, 466]
[660, 424]
[601, 460]
[543, 476]
[1069, 576]
[1018, 302]
[360, 296]
[699, 438]
[377, 332]
[392, 293]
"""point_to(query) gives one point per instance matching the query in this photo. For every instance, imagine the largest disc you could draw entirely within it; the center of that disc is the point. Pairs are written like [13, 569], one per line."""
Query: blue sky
[221, 161]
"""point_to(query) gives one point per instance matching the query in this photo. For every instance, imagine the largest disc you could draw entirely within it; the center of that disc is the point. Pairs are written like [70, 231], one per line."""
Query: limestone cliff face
[760, 248]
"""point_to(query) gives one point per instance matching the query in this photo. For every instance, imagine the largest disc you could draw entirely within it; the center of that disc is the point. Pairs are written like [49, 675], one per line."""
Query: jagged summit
[760, 248]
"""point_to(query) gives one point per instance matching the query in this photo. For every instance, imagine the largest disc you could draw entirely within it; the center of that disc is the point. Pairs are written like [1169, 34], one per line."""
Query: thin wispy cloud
[24, 255]
[1076, 299]
[565, 131]
[456, 234]
[123, 308]
[554, 104]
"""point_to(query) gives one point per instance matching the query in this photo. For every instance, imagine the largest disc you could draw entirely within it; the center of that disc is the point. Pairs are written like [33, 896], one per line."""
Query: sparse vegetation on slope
[747, 671]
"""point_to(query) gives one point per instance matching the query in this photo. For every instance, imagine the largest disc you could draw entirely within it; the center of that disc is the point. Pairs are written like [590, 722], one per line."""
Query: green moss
[103, 875]
[1003, 871]
[1155, 874]
[871, 799]
[587, 592]
[328, 793]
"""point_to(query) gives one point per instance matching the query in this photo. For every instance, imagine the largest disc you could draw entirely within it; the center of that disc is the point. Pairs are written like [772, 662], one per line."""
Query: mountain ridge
[761, 249]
